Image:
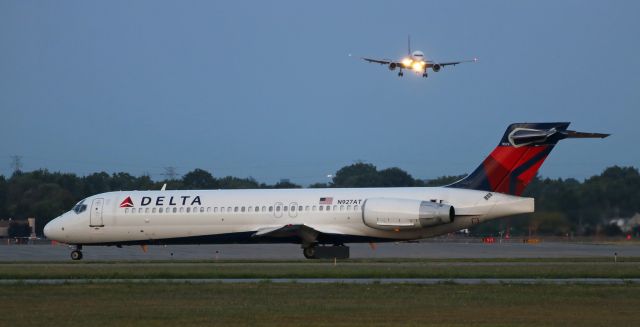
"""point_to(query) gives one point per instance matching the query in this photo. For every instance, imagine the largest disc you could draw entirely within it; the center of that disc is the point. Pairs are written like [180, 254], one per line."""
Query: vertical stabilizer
[515, 161]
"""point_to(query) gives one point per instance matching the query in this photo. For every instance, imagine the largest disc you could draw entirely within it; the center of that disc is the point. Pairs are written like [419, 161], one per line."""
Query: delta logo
[127, 203]
[163, 200]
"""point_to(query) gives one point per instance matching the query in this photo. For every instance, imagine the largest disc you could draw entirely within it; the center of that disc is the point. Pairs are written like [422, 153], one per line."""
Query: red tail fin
[515, 161]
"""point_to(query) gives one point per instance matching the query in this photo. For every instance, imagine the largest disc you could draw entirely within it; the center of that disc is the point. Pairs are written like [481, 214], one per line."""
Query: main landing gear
[425, 74]
[400, 73]
[325, 252]
[76, 254]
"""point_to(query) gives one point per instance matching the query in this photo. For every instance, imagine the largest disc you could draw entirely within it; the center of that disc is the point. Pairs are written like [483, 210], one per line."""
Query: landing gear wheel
[76, 255]
[309, 253]
[400, 74]
[425, 75]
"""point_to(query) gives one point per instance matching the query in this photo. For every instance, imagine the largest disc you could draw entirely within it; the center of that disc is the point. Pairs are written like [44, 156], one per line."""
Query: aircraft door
[293, 210]
[277, 209]
[95, 219]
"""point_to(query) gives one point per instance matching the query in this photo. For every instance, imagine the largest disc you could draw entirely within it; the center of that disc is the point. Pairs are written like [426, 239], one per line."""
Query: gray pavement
[425, 281]
[435, 250]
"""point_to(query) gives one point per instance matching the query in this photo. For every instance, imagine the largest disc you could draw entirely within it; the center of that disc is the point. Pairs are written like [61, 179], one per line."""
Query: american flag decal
[327, 200]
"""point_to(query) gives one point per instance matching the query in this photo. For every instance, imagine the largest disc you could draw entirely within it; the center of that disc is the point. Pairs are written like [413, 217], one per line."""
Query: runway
[434, 250]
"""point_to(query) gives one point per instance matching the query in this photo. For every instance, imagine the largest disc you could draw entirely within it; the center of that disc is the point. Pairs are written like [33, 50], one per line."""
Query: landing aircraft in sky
[322, 221]
[415, 61]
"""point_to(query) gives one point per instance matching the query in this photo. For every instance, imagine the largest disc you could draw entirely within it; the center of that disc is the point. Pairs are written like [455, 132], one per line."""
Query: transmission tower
[16, 163]
[170, 173]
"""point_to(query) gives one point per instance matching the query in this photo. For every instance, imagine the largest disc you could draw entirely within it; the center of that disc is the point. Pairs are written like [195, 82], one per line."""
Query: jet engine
[436, 67]
[405, 214]
[392, 66]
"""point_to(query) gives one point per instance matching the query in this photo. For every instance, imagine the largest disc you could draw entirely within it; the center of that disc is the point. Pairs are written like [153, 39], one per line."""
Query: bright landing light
[407, 62]
[418, 66]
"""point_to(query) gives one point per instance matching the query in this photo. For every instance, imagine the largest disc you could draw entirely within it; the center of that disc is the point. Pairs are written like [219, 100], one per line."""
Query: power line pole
[170, 173]
[16, 163]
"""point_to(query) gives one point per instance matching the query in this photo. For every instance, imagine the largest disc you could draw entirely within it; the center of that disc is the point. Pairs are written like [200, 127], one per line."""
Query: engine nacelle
[436, 68]
[405, 214]
[392, 66]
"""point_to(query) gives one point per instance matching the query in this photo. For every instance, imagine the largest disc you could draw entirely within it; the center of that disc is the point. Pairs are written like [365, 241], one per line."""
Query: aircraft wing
[378, 61]
[306, 234]
[453, 63]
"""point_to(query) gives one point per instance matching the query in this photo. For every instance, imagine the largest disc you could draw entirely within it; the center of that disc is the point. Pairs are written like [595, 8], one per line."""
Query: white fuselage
[235, 216]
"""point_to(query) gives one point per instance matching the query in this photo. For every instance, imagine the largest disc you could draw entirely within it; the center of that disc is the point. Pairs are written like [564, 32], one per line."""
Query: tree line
[563, 206]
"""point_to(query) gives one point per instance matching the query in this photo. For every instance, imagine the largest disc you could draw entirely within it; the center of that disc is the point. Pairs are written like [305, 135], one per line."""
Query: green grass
[267, 304]
[323, 269]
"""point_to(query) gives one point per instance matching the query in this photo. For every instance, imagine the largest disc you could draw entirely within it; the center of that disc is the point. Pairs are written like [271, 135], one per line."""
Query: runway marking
[424, 281]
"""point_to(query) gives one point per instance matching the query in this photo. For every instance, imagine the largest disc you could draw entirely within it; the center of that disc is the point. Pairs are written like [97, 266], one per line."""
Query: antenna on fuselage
[409, 43]
[164, 187]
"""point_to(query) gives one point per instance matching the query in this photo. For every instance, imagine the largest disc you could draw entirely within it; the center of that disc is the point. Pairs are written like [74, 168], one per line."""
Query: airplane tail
[515, 161]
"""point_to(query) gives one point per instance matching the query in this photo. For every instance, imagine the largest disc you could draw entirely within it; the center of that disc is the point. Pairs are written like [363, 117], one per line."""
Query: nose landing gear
[76, 254]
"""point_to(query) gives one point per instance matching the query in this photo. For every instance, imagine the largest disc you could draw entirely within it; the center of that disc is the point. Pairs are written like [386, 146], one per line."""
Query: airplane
[416, 61]
[322, 221]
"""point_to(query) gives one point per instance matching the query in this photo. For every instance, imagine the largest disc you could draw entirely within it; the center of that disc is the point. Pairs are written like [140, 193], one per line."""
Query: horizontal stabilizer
[582, 135]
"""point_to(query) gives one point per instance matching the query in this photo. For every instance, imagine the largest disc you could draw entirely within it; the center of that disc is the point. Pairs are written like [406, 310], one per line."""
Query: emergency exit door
[96, 213]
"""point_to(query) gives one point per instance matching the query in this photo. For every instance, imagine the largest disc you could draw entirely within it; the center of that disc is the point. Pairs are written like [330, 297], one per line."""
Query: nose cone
[54, 230]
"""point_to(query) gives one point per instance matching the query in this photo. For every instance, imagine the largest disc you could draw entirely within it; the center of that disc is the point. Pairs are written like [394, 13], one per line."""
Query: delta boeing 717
[322, 221]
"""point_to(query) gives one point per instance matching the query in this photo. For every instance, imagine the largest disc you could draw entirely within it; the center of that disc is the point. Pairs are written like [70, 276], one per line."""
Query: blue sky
[268, 89]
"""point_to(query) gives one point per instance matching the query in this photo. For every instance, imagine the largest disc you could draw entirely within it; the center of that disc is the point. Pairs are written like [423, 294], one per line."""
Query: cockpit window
[80, 207]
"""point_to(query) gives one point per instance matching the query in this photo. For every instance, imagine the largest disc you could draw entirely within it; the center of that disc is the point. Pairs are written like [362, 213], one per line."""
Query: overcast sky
[268, 89]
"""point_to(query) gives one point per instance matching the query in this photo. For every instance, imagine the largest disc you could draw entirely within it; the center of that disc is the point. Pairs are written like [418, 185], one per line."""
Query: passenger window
[341, 208]
[160, 210]
[270, 208]
[188, 209]
[181, 209]
[348, 207]
[313, 208]
[146, 210]
[306, 208]
[153, 210]
[242, 209]
[202, 209]
[175, 209]
[299, 208]
[264, 208]
[235, 209]
[221, 209]
[228, 209]
[126, 210]
[140, 210]
[293, 208]
[320, 208]
[355, 208]
[277, 208]
[215, 209]
[250, 209]
[335, 208]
